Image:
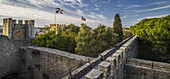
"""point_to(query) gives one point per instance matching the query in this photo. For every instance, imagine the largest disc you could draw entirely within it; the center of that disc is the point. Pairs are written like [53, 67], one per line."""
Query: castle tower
[7, 27]
[31, 28]
[18, 31]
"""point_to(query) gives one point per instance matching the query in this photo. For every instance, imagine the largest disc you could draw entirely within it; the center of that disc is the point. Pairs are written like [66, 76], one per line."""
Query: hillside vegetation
[154, 33]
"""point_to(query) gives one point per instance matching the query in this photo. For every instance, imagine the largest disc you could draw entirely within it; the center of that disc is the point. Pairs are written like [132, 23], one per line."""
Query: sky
[95, 11]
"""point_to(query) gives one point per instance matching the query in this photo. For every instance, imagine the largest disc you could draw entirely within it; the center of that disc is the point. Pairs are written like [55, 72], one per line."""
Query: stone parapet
[112, 62]
[149, 64]
[105, 68]
[94, 74]
[117, 56]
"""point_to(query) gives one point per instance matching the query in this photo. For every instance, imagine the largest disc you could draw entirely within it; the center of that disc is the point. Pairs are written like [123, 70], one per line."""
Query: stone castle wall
[124, 65]
[83, 70]
[113, 67]
[53, 63]
[9, 60]
[144, 69]
[20, 61]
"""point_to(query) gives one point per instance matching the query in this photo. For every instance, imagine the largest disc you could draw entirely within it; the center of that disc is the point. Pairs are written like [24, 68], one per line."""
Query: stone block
[120, 52]
[124, 49]
[94, 74]
[112, 62]
[117, 56]
[105, 67]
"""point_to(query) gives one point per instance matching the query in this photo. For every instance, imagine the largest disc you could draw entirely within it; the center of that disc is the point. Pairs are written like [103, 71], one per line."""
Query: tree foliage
[155, 31]
[83, 41]
[117, 27]
[93, 42]
[65, 41]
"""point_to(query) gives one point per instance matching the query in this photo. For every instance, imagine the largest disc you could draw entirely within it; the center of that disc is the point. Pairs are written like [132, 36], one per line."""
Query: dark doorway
[11, 76]
[45, 76]
[30, 73]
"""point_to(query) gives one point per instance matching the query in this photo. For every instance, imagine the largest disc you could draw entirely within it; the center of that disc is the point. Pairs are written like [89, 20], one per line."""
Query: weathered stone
[105, 67]
[112, 62]
[18, 31]
[124, 54]
[94, 74]
[117, 56]
[120, 52]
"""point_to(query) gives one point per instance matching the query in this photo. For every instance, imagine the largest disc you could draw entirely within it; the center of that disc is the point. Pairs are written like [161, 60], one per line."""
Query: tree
[83, 41]
[93, 42]
[156, 31]
[71, 30]
[59, 41]
[117, 27]
[46, 29]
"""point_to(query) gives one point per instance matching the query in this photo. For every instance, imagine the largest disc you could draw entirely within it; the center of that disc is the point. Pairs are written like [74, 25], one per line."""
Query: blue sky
[95, 11]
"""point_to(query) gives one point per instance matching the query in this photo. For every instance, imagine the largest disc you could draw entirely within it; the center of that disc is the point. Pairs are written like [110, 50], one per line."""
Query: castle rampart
[44, 63]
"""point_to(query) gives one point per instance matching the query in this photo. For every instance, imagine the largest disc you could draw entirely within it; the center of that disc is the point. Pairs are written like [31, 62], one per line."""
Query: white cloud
[96, 16]
[123, 17]
[133, 22]
[72, 3]
[158, 16]
[101, 16]
[158, 8]
[96, 5]
[45, 17]
[106, 2]
[156, 3]
[96, 9]
[119, 5]
[79, 12]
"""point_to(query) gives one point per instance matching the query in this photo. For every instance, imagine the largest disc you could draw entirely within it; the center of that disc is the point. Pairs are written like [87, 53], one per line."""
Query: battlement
[17, 30]
[7, 20]
[13, 21]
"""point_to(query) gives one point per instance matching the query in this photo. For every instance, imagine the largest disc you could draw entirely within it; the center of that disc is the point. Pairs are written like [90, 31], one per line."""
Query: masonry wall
[9, 60]
[19, 32]
[39, 61]
[144, 69]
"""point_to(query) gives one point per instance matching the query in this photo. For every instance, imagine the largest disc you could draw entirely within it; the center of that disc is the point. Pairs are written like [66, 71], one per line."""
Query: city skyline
[95, 11]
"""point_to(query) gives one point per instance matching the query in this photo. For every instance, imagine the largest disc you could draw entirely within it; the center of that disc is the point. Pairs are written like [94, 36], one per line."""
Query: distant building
[18, 31]
[57, 27]
[40, 30]
[126, 29]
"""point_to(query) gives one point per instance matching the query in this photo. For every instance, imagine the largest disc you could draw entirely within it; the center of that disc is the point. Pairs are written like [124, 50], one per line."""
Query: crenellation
[117, 56]
[20, 21]
[112, 62]
[20, 30]
[105, 68]
[13, 21]
[124, 49]
[25, 21]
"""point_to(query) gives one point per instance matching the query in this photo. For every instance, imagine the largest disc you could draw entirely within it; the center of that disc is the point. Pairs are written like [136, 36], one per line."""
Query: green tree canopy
[93, 42]
[156, 31]
[117, 27]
